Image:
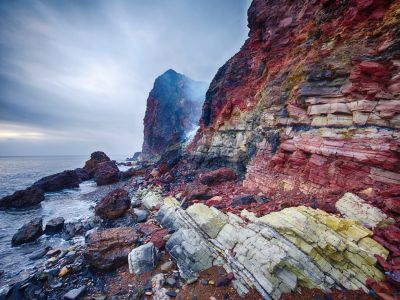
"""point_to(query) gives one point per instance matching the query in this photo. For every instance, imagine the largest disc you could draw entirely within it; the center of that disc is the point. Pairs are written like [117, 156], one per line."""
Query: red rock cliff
[311, 103]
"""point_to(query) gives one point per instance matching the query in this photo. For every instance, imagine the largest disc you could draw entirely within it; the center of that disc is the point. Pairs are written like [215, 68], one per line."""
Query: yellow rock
[353, 207]
[340, 247]
[171, 201]
[210, 219]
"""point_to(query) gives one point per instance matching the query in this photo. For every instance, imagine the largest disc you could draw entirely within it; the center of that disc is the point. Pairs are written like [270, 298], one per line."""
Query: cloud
[75, 75]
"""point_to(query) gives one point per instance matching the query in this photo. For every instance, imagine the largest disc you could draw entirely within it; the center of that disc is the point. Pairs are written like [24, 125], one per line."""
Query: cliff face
[173, 111]
[311, 103]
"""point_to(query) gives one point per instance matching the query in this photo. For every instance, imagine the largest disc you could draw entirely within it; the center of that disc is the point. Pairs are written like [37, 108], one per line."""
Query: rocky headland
[290, 188]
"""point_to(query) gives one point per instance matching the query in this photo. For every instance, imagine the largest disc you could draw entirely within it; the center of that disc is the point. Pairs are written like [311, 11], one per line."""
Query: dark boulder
[218, 176]
[109, 249]
[95, 159]
[56, 182]
[28, 233]
[83, 174]
[24, 198]
[106, 173]
[113, 205]
[54, 225]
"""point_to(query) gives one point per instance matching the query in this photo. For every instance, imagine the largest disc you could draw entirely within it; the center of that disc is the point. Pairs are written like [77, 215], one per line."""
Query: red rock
[147, 229]
[393, 204]
[218, 176]
[106, 173]
[114, 205]
[109, 249]
[95, 159]
[157, 238]
[24, 198]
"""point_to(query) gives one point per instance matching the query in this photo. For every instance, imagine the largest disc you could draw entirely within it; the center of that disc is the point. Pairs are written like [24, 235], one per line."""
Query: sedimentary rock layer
[275, 253]
[311, 102]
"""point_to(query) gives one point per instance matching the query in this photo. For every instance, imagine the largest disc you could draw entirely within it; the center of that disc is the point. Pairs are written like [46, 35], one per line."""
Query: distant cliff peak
[173, 111]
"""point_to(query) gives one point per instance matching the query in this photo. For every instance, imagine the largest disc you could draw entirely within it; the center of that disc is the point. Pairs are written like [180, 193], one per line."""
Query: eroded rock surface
[109, 249]
[276, 253]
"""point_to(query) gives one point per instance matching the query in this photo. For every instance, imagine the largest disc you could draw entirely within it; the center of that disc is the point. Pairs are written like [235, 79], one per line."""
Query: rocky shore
[289, 190]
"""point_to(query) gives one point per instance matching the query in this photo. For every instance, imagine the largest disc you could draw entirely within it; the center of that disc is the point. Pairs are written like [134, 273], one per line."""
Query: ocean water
[71, 204]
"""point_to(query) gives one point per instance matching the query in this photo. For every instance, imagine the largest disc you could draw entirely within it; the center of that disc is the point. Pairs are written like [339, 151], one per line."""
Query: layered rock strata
[275, 253]
[311, 103]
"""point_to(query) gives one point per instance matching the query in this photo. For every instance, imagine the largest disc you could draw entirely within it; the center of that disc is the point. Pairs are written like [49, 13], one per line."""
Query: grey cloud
[79, 72]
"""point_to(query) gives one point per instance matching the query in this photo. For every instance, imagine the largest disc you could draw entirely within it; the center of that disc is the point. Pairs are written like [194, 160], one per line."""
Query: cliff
[173, 111]
[310, 105]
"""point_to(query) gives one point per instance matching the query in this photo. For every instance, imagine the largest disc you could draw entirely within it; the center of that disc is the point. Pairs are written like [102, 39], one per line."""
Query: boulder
[24, 198]
[353, 207]
[28, 233]
[95, 159]
[218, 176]
[113, 205]
[198, 191]
[109, 249]
[143, 259]
[106, 173]
[83, 174]
[54, 225]
[56, 182]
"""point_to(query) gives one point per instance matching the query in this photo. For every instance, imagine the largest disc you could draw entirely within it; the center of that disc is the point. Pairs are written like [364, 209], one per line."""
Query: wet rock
[95, 159]
[113, 205]
[243, 200]
[218, 176]
[141, 214]
[143, 258]
[57, 182]
[83, 174]
[24, 198]
[171, 294]
[39, 253]
[353, 207]
[106, 173]
[28, 233]
[109, 249]
[54, 226]
[75, 294]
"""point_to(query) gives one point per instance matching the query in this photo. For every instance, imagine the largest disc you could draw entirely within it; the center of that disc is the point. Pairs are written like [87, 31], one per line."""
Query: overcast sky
[75, 75]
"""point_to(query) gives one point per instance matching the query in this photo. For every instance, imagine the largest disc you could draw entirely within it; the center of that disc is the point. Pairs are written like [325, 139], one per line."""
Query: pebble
[75, 293]
[167, 266]
[170, 281]
[171, 293]
[213, 298]
[212, 282]
[148, 293]
[204, 282]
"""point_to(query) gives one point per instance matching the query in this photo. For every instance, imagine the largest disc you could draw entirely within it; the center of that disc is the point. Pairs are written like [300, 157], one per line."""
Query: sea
[19, 172]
